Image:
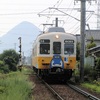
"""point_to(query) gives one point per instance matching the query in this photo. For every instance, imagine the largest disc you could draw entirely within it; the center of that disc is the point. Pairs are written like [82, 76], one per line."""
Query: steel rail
[90, 96]
[51, 89]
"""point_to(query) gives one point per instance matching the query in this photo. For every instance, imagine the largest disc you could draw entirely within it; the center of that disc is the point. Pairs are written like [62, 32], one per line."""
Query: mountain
[28, 33]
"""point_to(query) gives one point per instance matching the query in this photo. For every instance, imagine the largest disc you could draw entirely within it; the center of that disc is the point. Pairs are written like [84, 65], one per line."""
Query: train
[54, 53]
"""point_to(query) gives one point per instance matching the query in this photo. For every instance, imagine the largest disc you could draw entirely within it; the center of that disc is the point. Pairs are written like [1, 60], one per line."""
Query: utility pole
[20, 51]
[82, 31]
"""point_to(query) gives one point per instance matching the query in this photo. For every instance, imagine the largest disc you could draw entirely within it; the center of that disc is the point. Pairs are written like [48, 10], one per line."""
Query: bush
[10, 53]
[3, 68]
[11, 63]
[90, 72]
[87, 69]
[98, 63]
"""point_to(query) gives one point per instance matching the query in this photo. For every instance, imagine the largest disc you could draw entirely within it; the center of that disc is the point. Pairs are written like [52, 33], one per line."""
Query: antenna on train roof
[56, 22]
[56, 25]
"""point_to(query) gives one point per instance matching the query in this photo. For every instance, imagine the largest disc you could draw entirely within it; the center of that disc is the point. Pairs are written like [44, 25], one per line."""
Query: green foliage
[98, 63]
[11, 63]
[87, 69]
[10, 60]
[92, 40]
[77, 73]
[90, 72]
[91, 44]
[15, 87]
[96, 82]
[10, 53]
[91, 86]
[3, 67]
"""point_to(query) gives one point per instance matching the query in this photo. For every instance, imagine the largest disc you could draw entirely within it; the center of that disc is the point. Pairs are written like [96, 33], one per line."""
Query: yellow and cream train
[54, 53]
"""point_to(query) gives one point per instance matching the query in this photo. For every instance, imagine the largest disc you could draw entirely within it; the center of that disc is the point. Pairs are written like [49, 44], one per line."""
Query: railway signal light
[20, 48]
[20, 57]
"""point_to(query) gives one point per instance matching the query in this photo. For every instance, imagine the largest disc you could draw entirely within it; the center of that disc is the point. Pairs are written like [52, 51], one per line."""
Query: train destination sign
[44, 41]
[68, 41]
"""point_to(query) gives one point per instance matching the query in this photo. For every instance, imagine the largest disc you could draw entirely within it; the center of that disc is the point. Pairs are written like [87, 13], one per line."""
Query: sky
[13, 12]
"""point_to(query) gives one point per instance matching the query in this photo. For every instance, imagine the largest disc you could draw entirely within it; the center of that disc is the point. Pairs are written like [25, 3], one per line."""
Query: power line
[18, 13]
[50, 11]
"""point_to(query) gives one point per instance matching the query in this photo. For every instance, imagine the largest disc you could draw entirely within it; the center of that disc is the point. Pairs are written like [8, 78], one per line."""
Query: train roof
[56, 29]
[53, 30]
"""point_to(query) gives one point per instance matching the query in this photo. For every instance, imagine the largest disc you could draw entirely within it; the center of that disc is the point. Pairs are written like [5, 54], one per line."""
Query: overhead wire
[18, 13]
[57, 4]
[87, 18]
[70, 12]
[71, 20]
[50, 11]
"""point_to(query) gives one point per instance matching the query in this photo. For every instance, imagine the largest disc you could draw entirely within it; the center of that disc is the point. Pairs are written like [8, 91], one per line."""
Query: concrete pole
[82, 52]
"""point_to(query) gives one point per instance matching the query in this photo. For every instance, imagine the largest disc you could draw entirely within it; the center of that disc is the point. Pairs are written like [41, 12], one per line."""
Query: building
[90, 33]
[96, 36]
[93, 33]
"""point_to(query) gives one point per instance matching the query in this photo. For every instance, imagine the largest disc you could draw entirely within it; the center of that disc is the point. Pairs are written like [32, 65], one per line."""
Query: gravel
[40, 91]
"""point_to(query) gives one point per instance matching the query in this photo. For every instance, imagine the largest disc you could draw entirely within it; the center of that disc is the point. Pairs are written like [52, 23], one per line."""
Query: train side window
[68, 48]
[44, 48]
[56, 47]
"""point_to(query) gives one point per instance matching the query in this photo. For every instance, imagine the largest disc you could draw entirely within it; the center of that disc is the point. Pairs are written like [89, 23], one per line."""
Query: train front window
[44, 48]
[68, 48]
[56, 47]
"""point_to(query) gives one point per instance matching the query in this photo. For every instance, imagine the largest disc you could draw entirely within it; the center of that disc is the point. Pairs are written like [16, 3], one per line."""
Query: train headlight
[57, 36]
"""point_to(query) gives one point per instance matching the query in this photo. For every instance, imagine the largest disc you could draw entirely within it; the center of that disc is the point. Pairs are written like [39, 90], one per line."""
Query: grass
[14, 86]
[95, 86]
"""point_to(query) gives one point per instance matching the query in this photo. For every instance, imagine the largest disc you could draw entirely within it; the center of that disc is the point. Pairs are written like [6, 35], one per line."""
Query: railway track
[52, 90]
[86, 94]
[59, 96]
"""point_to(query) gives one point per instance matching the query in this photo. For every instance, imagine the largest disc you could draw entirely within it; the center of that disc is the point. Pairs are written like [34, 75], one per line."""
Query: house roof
[93, 33]
[90, 33]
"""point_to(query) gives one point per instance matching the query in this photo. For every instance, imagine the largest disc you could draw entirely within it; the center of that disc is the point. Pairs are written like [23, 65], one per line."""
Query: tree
[3, 67]
[98, 63]
[11, 63]
[10, 58]
[91, 44]
[10, 53]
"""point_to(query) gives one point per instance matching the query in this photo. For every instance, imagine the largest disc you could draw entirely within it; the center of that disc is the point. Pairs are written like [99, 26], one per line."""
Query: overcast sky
[13, 12]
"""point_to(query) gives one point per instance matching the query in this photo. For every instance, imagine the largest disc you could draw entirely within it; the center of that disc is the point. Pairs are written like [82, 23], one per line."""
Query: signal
[20, 51]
